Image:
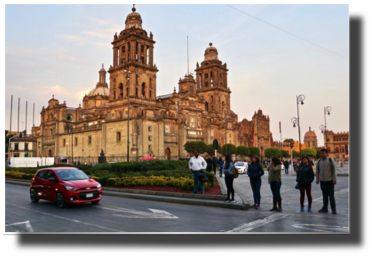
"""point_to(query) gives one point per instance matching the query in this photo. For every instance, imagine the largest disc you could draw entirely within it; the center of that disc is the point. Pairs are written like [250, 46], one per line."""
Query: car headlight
[70, 188]
[99, 185]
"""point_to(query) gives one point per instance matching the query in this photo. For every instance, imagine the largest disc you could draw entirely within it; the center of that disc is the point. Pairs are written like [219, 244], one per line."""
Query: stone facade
[337, 144]
[158, 125]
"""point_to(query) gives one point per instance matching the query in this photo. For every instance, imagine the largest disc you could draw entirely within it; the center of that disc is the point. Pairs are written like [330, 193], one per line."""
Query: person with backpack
[229, 178]
[255, 171]
[209, 162]
[275, 181]
[326, 175]
[215, 162]
[305, 177]
[286, 165]
[221, 165]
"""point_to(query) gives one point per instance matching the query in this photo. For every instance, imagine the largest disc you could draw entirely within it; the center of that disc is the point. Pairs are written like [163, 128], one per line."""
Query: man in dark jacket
[286, 165]
[215, 160]
[209, 162]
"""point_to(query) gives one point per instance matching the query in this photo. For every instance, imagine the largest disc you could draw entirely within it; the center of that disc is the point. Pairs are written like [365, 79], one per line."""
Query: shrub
[111, 181]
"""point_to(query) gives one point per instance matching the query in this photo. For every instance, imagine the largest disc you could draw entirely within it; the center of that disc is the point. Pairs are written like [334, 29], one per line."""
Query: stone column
[114, 57]
[151, 55]
[139, 51]
[198, 80]
[133, 50]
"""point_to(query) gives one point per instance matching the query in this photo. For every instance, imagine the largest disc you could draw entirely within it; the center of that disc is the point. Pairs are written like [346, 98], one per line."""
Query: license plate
[89, 195]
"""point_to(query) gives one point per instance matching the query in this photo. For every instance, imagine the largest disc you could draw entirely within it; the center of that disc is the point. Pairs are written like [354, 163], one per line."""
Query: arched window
[150, 94]
[142, 54]
[143, 90]
[206, 106]
[212, 98]
[136, 93]
[123, 49]
[223, 106]
[121, 89]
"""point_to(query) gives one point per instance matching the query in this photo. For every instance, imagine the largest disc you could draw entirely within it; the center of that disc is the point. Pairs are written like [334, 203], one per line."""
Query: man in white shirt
[197, 164]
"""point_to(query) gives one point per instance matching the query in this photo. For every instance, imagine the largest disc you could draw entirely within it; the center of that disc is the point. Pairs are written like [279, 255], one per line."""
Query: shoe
[232, 201]
[202, 192]
[255, 206]
[194, 192]
[274, 200]
[301, 209]
[279, 204]
[309, 209]
[259, 207]
[227, 201]
[334, 212]
[323, 210]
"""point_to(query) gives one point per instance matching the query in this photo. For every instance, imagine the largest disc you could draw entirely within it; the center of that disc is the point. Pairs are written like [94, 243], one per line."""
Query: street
[116, 214]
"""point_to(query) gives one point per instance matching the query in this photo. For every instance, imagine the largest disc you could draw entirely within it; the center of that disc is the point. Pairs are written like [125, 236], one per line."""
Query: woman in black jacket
[305, 177]
[255, 171]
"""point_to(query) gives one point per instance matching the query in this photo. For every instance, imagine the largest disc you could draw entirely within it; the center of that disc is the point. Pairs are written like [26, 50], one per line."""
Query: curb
[160, 198]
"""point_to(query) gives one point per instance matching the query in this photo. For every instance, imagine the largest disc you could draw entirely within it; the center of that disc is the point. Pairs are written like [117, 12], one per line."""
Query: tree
[318, 155]
[210, 149]
[254, 151]
[285, 154]
[228, 149]
[191, 146]
[242, 150]
[272, 152]
[295, 154]
[288, 140]
[310, 152]
[7, 139]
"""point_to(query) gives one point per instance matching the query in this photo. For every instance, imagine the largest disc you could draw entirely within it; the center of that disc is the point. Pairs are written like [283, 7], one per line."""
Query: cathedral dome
[99, 91]
[133, 20]
[310, 133]
[210, 53]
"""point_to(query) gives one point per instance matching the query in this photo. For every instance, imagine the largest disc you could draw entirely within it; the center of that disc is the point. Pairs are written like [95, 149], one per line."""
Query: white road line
[257, 223]
[322, 228]
[27, 224]
[64, 218]
[155, 213]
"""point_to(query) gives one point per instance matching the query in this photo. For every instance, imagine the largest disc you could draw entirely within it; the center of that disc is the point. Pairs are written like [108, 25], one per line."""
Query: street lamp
[327, 109]
[299, 99]
[127, 73]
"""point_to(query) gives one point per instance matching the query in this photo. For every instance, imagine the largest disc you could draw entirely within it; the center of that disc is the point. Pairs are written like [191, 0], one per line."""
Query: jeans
[221, 170]
[303, 189]
[229, 185]
[197, 181]
[286, 170]
[275, 189]
[327, 188]
[214, 168]
[256, 187]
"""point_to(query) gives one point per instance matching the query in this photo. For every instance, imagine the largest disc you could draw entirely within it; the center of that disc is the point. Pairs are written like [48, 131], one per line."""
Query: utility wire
[288, 32]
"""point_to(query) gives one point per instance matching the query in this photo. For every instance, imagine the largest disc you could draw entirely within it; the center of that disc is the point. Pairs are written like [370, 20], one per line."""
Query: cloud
[102, 44]
[56, 90]
[79, 41]
[105, 35]
[80, 94]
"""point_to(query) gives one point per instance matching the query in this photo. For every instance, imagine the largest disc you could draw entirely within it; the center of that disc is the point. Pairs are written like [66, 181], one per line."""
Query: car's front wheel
[33, 196]
[60, 200]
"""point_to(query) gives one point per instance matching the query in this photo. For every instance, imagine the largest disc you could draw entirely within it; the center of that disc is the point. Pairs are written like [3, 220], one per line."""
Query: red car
[65, 185]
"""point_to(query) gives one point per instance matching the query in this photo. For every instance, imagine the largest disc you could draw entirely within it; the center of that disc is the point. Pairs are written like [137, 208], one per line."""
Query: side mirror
[52, 179]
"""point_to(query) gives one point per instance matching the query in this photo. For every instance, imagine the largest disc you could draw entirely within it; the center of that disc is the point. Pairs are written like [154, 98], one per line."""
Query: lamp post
[299, 99]
[127, 151]
[327, 109]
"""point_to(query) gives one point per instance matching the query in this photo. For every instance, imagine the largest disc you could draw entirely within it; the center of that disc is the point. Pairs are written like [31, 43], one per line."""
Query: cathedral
[158, 125]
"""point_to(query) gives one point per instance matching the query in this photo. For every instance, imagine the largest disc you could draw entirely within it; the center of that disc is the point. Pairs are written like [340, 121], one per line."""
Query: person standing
[197, 164]
[209, 162]
[305, 177]
[286, 165]
[221, 165]
[229, 178]
[326, 175]
[215, 161]
[275, 181]
[255, 171]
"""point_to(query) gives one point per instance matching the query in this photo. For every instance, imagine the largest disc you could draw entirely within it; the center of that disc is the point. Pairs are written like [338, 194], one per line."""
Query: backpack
[331, 165]
[235, 172]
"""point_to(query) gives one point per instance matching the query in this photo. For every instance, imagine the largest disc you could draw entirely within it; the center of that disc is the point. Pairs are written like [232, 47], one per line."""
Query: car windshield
[71, 175]
[239, 164]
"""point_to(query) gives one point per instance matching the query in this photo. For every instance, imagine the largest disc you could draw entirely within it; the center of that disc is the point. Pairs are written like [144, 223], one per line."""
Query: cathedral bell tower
[133, 62]
[212, 82]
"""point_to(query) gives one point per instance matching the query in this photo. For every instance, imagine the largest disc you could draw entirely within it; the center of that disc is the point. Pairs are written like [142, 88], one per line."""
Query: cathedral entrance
[50, 153]
[168, 153]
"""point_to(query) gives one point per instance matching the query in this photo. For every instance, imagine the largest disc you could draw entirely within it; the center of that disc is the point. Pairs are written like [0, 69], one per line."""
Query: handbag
[297, 186]
[203, 177]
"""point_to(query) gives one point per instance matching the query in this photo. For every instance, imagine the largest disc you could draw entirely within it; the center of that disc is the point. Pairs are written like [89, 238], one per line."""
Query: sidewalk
[170, 197]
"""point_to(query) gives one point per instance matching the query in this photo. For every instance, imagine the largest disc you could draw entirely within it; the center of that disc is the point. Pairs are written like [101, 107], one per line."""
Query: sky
[59, 49]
